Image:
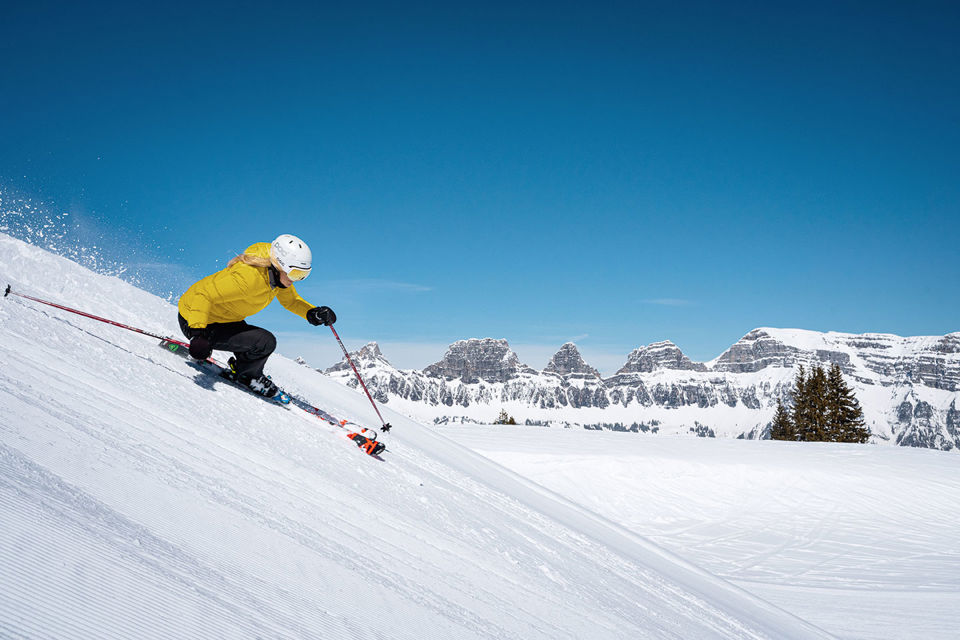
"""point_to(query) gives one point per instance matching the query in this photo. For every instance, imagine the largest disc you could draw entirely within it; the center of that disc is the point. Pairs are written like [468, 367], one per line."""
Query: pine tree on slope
[816, 398]
[782, 427]
[800, 415]
[844, 415]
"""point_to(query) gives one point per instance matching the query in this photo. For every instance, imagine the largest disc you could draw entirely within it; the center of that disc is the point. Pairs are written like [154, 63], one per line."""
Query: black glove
[321, 315]
[200, 347]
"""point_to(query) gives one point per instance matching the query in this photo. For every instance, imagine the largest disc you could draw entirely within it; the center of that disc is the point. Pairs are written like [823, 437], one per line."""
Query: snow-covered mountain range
[909, 387]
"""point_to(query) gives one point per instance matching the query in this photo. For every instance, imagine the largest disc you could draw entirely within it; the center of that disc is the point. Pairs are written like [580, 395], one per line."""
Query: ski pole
[9, 292]
[386, 425]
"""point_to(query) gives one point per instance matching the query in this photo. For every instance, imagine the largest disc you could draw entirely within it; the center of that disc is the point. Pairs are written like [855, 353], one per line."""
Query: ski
[212, 366]
[365, 438]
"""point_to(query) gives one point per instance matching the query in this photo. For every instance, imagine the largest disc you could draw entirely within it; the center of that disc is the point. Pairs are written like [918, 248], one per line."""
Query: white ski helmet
[291, 255]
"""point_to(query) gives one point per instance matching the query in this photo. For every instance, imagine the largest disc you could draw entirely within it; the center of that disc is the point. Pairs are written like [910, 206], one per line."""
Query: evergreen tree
[844, 415]
[834, 402]
[504, 418]
[824, 409]
[782, 428]
[816, 409]
[800, 414]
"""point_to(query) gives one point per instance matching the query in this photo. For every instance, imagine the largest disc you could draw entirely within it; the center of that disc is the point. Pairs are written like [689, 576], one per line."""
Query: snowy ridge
[141, 498]
[909, 388]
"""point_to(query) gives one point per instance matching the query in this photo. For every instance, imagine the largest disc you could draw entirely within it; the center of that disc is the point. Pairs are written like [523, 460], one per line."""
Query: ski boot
[262, 385]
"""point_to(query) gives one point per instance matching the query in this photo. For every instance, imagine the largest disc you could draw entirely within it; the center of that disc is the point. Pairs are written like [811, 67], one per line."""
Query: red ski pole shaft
[359, 379]
[9, 292]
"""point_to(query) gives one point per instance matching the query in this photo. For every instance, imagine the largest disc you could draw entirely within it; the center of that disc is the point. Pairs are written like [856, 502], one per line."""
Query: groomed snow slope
[140, 498]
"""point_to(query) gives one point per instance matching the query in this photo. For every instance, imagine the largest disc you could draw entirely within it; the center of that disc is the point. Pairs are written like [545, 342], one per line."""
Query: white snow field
[862, 540]
[140, 498]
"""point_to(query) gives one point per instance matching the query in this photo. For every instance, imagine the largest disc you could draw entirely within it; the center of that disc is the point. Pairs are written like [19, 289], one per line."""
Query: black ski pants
[251, 345]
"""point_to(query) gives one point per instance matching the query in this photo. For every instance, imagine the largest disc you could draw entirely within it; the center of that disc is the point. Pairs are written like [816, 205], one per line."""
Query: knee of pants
[268, 343]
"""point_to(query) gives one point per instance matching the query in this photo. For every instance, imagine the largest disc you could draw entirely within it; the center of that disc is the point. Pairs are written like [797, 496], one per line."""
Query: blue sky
[612, 173]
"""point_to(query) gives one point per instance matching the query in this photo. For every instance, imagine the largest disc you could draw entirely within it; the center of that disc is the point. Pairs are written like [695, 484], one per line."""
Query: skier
[212, 311]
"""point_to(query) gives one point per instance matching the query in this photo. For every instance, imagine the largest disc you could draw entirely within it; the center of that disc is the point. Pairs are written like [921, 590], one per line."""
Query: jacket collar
[275, 278]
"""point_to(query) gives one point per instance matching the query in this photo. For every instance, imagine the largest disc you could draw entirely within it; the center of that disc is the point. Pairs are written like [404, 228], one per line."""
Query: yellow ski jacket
[236, 292]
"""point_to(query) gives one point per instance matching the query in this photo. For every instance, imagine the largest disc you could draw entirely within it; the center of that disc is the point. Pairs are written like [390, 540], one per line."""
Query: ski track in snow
[141, 498]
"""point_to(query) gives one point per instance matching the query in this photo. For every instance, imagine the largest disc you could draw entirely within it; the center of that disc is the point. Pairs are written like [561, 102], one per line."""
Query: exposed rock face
[932, 362]
[474, 360]
[754, 351]
[918, 428]
[933, 367]
[659, 355]
[758, 350]
[953, 423]
[733, 396]
[567, 361]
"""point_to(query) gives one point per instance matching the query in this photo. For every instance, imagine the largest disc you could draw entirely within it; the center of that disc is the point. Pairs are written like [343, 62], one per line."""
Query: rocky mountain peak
[475, 359]
[755, 351]
[369, 355]
[568, 361]
[659, 355]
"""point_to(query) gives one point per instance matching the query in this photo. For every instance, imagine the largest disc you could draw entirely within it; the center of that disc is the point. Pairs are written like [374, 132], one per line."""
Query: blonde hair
[253, 261]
